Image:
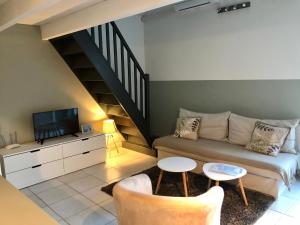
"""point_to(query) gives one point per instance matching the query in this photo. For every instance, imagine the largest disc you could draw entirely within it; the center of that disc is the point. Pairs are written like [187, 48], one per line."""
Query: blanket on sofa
[286, 165]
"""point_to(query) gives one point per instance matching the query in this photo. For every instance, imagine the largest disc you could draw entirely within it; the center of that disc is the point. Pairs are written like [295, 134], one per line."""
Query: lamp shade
[109, 126]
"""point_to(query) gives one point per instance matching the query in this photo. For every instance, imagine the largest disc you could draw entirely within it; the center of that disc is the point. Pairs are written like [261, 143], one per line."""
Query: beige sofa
[267, 174]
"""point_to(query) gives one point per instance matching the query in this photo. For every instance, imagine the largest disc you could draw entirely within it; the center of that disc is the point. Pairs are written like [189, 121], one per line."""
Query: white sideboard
[33, 163]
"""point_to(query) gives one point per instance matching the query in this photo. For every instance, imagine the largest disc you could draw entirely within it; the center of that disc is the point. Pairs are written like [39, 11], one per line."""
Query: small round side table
[219, 176]
[176, 165]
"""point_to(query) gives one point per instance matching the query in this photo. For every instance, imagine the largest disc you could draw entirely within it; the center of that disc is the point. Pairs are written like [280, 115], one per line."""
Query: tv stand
[33, 163]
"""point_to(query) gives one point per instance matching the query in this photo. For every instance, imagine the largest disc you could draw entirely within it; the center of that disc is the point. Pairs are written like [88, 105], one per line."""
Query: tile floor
[76, 199]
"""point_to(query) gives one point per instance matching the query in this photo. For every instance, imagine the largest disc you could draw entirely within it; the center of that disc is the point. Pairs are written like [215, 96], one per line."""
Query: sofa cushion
[240, 129]
[212, 126]
[289, 145]
[187, 128]
[285, 165]
[267, 139]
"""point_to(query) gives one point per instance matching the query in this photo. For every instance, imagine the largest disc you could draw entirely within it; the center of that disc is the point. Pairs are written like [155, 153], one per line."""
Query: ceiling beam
[12, 11]
[63, 7]
[99, 13]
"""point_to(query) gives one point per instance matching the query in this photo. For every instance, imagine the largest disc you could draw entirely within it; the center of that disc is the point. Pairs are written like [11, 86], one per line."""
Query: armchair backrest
[136, 205]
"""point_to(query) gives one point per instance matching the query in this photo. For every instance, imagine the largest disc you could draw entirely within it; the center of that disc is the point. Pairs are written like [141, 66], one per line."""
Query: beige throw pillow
[267, 139]
[240, 129]
[187, 128]
[289, 145]
[212, 126]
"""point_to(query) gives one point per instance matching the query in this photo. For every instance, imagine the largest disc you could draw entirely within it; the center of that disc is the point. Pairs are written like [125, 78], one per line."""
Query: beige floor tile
[287, 220]
[114, 222]
[110, 174]
[294, 211]
[62, 222]
[45, 186]
[109, 206]
[56, 194]
[26, 191]
[86, 183]
[269, 218]
[72, 176]
[71, 206]
[91, 216]
[37, 201]
[283, 204]
[96, 168]
[52, 214]
[96, 195]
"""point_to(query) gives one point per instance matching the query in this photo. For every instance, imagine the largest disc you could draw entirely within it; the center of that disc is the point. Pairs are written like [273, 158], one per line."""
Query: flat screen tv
[55, 123]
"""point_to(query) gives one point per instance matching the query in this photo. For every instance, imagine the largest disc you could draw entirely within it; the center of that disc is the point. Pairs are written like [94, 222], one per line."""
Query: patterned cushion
[187, 128]
[267, 139]
[289, 145]
[213, 126]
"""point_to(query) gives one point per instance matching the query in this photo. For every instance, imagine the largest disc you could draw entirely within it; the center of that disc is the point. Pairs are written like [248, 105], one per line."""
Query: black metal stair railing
[119, 56]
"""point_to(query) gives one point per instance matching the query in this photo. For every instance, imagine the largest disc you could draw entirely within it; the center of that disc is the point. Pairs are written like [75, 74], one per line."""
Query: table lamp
[109, 128]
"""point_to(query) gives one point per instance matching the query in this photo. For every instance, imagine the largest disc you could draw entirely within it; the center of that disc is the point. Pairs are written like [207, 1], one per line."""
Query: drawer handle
[86, 152]
[35, 150]
[36, 166]
[85, 139]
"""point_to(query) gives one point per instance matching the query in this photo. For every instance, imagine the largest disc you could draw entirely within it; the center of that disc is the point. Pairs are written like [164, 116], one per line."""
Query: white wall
[261, 42]
[132, 29]
[34, 78]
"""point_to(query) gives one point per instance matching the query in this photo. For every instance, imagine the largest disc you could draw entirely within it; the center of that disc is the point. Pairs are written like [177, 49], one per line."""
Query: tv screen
[55, 123]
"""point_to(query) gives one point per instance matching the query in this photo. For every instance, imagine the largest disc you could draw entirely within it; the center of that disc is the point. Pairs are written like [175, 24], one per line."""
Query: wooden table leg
[159, 180]
[243, 191]
[217, 183]
[187, 180]
[209, 183]
[185, 184]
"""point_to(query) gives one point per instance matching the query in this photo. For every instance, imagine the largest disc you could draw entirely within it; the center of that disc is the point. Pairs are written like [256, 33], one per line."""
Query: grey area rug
[234, 212]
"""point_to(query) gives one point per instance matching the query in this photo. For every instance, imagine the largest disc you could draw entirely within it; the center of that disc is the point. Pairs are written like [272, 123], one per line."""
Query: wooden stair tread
[137, 140]
[139, 148]
[124, 121]
[129, 130]
[87, 75]
[97, 87]
[71, 48]
[107, 99]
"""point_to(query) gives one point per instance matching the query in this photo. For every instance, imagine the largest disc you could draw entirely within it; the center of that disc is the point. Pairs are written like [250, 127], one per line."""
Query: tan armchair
[136, 205]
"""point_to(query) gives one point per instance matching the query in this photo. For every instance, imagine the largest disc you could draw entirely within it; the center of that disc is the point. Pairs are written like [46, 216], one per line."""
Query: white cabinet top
[47, 143]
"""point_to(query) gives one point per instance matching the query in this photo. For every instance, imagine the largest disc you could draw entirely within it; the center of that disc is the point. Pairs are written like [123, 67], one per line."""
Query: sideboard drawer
[84, 160]
[32, 158]
[83, 145]
[36, 174]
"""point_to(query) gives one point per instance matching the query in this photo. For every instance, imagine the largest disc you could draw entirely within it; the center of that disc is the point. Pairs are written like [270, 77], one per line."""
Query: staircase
[103, 62]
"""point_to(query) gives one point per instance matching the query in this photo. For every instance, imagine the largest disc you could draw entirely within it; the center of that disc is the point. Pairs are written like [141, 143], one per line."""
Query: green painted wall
[273, 99]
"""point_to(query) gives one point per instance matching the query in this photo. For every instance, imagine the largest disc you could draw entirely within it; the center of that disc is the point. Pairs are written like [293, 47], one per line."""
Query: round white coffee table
[176, 165]
[219, 176]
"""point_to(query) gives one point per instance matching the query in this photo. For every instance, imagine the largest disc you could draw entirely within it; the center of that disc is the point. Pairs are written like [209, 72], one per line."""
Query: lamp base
[108, 137]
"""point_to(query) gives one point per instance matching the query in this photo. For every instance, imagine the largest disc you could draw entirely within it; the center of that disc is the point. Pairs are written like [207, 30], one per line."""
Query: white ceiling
[60, 17]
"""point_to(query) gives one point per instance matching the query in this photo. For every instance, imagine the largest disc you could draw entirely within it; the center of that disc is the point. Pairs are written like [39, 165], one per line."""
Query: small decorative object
[238, 6]
[109, 128]
[86, 128]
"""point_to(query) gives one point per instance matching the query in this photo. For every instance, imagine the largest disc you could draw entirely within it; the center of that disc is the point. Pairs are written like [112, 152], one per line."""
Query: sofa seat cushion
[285, 165]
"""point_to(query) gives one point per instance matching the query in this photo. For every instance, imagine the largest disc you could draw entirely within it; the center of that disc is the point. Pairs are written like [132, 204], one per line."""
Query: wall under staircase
[104, 63]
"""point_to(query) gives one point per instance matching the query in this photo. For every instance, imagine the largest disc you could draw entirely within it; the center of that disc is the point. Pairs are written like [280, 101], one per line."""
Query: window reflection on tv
[55, 123]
